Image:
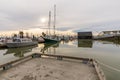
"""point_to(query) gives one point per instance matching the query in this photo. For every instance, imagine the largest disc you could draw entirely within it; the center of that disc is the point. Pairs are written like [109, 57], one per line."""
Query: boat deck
[47, 68]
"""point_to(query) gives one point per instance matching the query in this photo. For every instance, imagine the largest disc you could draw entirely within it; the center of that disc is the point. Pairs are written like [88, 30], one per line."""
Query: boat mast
[49, 23]
[54, 25]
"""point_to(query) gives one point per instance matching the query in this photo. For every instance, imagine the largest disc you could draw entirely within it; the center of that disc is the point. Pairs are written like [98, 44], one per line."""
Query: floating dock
[51, 67]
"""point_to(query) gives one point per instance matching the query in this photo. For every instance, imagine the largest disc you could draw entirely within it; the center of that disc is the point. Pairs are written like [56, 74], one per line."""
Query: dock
[39, 66]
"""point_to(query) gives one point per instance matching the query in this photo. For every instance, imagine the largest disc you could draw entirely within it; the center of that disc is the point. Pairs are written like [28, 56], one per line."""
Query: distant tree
[15, 35]
[27, 35]
[21, 34]
[43, 34]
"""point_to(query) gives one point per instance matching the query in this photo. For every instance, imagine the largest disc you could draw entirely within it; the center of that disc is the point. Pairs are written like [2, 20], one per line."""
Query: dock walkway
[46, 67]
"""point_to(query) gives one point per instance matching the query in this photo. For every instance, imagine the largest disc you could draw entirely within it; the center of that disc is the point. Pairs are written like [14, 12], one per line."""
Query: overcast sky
[71, 14]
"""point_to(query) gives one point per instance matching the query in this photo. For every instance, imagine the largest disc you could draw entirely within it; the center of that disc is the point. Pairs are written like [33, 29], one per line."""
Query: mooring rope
[108, 66]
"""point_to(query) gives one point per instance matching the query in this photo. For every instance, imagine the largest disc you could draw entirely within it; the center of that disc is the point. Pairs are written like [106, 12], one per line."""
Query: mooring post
[59, 58]
[36, 55]
[7, 66]
[85, 61]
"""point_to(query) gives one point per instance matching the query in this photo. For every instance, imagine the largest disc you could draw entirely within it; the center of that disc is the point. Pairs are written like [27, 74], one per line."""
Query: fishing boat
[20, 42]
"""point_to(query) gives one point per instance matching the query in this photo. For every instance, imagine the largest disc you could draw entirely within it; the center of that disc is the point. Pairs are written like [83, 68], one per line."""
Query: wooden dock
[98, 70]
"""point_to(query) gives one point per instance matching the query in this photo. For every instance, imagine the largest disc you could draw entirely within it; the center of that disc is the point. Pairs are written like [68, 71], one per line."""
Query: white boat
[40, 40]
[20, 42]
[2, 42]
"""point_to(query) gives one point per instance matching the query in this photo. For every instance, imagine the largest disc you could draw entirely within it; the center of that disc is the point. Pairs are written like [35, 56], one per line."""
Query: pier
[46, 66]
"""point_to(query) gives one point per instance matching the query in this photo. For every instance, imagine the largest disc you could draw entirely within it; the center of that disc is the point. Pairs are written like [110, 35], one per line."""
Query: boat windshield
[16, 40]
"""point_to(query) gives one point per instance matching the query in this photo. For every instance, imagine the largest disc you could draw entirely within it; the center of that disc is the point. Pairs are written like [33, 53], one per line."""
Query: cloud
[99, 27]
[23, 14]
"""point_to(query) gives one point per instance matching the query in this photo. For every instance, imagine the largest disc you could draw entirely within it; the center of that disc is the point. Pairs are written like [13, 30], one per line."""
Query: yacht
[20, 42]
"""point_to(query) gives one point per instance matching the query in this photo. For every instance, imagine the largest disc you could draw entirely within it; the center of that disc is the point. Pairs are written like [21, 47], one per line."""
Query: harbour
[59, 40]
[106, 53]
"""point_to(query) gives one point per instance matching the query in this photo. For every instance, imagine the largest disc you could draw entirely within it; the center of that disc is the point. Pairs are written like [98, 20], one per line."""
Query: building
[110, 33]
[85, 35]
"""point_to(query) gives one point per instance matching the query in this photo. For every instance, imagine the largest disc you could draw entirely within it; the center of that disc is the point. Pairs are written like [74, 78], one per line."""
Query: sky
[74, 15]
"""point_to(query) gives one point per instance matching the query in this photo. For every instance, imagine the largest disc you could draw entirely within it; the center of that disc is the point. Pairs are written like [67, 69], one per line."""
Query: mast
[54, 24]
[49, 23]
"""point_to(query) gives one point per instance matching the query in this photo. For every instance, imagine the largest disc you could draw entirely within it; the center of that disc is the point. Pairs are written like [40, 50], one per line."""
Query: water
[107, 53]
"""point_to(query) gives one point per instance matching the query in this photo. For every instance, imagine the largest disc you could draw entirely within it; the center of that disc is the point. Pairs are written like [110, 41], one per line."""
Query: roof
[84, 33]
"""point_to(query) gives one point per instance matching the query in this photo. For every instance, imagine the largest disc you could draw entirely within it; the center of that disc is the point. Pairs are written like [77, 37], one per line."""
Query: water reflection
[85, 43]
[109, 41]
[105, 51]
[19, 52]
[48, 45]
[114, 39]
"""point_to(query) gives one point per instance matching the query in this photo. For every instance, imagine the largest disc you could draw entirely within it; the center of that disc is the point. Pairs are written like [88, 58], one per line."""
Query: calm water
[107, 53]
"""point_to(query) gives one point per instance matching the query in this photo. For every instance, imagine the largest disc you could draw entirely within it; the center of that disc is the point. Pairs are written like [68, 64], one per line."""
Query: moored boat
[48, 40]
[50, 37]
[40, 40]
[2, 42]
[20, 42]
[2, 45]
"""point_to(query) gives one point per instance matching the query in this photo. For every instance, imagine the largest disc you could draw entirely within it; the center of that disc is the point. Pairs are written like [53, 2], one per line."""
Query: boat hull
[2, 45]
[18, 44]
[50, 40]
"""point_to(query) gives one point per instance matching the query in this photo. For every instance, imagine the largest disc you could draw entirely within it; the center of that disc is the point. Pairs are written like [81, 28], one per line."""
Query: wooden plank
[70, 57]
[99, 71]
[11, 62]
[50, 55]
[36, 55]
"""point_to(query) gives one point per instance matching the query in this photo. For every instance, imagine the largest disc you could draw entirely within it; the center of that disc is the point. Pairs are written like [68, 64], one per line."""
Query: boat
[2, 42]
[20, 42]
[2, 45]
[52, 38]
[40, 40]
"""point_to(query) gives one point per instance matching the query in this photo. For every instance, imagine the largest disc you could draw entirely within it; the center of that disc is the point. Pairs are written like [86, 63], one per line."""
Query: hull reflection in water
[48, 45]
[19, 52]
[85, 43]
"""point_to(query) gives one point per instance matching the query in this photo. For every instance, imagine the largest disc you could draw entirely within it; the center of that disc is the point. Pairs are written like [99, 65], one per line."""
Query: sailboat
[51, 38]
